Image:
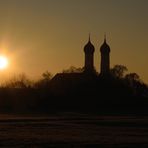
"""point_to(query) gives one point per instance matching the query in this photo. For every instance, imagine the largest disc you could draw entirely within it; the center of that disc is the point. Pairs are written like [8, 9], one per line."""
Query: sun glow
[3, 62]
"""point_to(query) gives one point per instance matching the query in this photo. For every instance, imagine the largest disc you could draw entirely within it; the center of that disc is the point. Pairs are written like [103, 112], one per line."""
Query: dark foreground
[74, 131]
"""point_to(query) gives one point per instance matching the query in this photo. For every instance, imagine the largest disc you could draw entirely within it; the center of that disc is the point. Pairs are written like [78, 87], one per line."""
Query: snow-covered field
[73, 131]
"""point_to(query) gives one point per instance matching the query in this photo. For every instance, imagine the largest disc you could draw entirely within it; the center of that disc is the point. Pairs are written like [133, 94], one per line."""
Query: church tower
[89, 57]
[105, 58]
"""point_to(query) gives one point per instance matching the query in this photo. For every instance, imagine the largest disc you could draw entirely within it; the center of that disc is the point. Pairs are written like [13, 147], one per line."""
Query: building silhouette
[89, 50]
[89, 57]
[105, 59]
[65, 82]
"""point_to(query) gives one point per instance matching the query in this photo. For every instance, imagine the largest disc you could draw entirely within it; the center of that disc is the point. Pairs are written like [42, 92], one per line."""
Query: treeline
[22, 81]
[131, 80]
[118, 89]
[118, 72]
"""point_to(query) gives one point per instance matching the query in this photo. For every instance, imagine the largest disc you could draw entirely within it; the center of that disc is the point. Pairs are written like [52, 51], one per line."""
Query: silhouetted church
[89, 58]
[63, 81]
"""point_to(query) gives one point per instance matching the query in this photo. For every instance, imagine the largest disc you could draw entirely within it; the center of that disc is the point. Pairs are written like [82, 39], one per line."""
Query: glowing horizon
[42, 35]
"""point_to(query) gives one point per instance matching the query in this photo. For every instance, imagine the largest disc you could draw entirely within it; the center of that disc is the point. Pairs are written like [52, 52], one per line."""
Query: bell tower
[105, 58]
[89, 57]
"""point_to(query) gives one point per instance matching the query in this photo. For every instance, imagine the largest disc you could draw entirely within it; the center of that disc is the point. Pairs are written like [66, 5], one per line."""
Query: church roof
[62, 83]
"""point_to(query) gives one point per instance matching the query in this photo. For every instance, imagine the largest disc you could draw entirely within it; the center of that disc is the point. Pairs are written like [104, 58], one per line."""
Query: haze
[40, 35]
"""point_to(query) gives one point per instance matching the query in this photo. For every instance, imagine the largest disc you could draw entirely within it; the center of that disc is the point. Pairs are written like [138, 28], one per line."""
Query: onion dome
[89, 47]
[105, 47]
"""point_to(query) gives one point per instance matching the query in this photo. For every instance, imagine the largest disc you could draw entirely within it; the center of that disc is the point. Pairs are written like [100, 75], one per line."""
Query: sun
[3, 62]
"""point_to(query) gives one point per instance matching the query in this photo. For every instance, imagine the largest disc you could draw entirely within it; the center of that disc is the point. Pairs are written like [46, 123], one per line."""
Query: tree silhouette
[44, 81]
[118, 71]
[73, 69]
[135, 83]
[47, 76]
[132, 77]
[19, 81]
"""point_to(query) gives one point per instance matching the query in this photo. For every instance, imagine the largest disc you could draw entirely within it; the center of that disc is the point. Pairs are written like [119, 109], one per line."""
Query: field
[73, 131]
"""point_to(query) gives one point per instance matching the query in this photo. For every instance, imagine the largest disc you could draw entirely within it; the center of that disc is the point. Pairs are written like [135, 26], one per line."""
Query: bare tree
[44, 81]
[18, 81]
[47, 76]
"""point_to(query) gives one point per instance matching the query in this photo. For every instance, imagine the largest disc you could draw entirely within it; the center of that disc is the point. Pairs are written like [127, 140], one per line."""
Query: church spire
[89, 38]
[104, 37]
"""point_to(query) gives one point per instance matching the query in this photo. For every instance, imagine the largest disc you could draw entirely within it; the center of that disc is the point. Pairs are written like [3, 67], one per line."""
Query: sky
[41, 35]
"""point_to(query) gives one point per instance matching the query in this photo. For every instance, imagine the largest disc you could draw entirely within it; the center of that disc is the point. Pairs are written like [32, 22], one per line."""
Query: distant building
[64, 82]
[89, 57]
[105, 59]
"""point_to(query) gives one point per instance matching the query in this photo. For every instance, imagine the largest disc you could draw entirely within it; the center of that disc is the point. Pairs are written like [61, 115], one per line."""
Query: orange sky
[40, 35]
